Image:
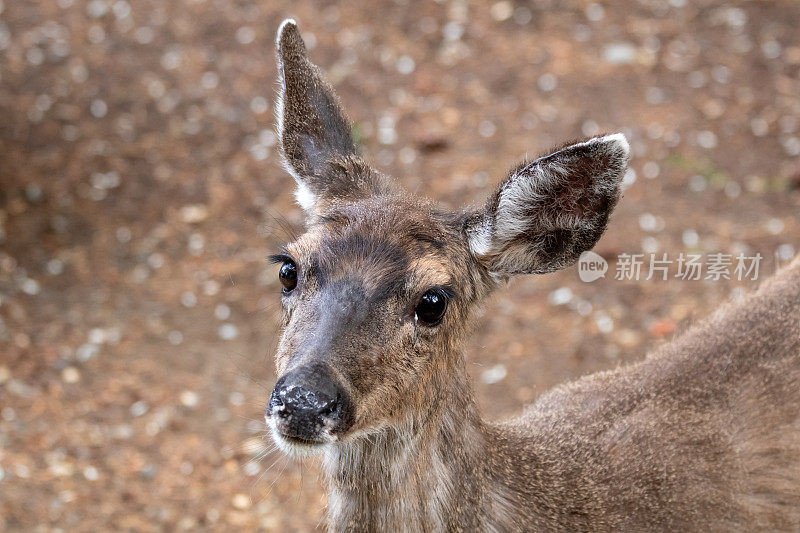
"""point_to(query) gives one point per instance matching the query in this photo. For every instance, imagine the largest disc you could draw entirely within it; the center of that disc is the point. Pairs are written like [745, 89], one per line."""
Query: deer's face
[377, 292]
[374, 294]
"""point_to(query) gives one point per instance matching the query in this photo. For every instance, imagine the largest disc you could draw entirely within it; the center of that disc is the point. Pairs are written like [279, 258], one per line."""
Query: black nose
[299, 400]
[307, 403]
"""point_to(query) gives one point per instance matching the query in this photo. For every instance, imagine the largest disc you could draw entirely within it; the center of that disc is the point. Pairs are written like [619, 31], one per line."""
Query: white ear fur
[479, 237]
[281, 79]
[303, 195]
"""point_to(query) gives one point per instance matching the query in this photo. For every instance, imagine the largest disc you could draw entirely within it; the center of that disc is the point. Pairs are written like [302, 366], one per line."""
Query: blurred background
[140, 194]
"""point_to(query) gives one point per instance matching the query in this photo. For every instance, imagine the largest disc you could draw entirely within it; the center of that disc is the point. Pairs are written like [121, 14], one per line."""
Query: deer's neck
[427, 474]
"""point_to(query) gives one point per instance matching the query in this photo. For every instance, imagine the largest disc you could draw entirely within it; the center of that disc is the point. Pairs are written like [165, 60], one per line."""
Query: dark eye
[288, 276]
[431, 307]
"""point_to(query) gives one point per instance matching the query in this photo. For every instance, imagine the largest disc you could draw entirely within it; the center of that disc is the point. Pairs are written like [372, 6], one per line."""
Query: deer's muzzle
[308, 406]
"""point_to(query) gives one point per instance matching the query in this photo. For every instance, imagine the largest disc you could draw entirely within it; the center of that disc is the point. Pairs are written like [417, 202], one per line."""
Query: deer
[378, 295]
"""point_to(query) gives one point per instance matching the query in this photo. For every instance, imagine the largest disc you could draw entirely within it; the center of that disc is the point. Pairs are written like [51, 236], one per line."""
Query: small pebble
[453, 31]
[619, 53]
[86, 351]
[251, 468]
[155, 260]
[70, 375]
[604, 322]
[222, 312]
[193, 214]
[30, 286]
[697, 183]
[91, 473]
[259, 105]
[560, 296]
[228, 332]
[175, 337]
[123, 235]
[501, 11]
[595, 12]
[188, 299]
[791, 146]
[241, 501]
[405, 65]
[189, 398]
[211, 287]
[98, 108]
[785, 252]
[245, 35]
[494, 374]
[236, 398]
[139, 408]
[775, 226]
[707, 139]
[55, 267]
[690, 238]
[651, 170]
[96, 336]
[648, 222]
[547, 82]
[487, 129]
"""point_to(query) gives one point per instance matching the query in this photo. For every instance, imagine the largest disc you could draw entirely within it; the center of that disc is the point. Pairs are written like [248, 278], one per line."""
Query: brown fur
[702, 435]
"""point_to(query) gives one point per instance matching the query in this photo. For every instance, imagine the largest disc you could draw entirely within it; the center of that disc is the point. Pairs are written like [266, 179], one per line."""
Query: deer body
[703, 435]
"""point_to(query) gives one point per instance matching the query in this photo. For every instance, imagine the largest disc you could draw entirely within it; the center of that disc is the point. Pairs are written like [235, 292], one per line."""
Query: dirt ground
[140, 194]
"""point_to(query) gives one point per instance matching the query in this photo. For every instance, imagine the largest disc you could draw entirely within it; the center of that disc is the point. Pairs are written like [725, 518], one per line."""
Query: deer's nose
[307, 403]
[297, 400]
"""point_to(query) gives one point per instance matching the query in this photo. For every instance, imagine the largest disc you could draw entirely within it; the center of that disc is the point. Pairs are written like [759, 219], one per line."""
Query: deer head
[378, 292]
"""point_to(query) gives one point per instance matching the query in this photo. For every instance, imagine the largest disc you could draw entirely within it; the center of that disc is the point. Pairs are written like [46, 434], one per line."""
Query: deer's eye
[431, 307]
[288, 276]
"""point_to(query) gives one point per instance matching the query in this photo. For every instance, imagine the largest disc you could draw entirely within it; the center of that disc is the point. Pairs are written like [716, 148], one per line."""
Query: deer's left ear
[314, 133]
[551, 210]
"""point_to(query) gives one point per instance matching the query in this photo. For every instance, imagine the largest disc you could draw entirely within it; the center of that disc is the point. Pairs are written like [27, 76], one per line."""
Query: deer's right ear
[549, 211]
[314, 133]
